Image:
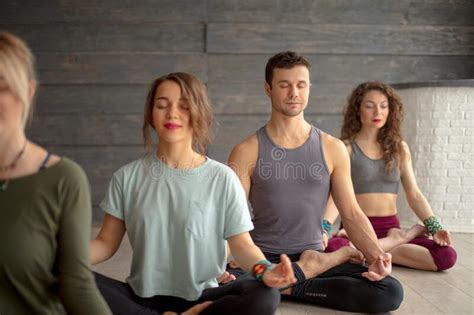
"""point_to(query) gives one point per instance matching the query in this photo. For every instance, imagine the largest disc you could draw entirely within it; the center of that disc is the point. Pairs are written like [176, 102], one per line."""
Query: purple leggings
[444, 256]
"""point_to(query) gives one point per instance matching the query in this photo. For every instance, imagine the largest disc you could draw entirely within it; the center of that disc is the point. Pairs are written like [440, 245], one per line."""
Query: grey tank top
[288, 195]
[369, 176]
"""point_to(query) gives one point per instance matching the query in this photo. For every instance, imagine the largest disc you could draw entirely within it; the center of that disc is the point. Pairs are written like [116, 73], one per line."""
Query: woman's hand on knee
[442, 238]
[281, 275]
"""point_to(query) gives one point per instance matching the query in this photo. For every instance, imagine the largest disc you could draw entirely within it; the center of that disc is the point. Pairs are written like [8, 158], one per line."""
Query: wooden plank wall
[96, 58]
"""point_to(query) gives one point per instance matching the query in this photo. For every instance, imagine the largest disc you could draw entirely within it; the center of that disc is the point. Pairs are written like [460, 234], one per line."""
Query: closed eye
[161, 104]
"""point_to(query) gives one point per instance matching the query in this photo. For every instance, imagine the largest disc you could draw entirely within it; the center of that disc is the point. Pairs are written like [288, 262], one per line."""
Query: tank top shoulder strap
[315, 138]
[264, 141]
[45, 161]
[356, 150]
[261, 135]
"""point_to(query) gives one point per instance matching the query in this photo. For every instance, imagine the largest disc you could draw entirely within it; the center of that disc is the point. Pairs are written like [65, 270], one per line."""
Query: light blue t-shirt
[177, 222]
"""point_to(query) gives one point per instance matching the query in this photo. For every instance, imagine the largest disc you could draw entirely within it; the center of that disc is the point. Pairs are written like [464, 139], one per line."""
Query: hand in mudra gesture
[442, 238]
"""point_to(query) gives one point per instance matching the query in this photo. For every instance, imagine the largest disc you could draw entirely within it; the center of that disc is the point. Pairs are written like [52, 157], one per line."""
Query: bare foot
[406, 236]
[415, 231]
[312, 263]
[353, 255]
[286, 291]
[396, 237]
[351, 245]
[342, 233]
[233, 264]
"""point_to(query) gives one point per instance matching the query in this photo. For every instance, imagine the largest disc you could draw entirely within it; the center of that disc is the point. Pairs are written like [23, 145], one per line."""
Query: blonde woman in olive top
[44, 208]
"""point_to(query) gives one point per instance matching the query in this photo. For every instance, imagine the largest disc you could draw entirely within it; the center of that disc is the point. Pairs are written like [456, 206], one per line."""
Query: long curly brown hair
[389, 136]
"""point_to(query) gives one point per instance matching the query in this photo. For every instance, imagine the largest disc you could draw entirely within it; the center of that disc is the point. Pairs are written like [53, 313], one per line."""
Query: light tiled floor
[449, 292]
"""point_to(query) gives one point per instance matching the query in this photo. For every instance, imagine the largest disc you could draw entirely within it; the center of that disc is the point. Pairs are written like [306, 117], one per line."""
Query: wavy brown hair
[389, 136]
[202, 118]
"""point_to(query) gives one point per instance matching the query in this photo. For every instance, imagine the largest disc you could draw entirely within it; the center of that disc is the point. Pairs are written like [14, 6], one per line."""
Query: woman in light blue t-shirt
[179, 208]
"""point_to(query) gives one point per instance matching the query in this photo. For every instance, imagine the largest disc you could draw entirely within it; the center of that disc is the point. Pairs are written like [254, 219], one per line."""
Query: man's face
[289, 91]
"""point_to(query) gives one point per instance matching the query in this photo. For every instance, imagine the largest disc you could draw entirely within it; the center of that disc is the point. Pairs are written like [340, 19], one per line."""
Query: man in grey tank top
[288, 168]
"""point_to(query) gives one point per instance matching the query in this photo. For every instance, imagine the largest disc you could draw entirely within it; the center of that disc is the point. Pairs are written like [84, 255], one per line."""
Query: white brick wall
[438, 127]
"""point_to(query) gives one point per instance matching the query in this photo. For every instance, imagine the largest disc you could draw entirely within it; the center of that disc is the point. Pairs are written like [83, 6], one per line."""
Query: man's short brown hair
[284, 60]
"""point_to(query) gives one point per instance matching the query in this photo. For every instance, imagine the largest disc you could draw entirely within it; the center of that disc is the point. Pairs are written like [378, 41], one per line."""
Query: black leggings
[237, 297]
[342, 288]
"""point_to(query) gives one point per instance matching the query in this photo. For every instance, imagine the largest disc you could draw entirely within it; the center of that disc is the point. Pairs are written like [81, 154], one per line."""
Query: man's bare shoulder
[247, 144]
[245, 150]
[332, 143]
[244, 156]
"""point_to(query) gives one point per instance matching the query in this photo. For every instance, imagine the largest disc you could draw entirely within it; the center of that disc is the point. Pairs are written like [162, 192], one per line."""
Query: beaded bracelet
[327, 227]
[260, 267]
[432, 225]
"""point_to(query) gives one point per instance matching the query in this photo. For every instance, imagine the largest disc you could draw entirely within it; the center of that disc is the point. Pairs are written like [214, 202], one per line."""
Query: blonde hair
[200, 109]
[17, 69]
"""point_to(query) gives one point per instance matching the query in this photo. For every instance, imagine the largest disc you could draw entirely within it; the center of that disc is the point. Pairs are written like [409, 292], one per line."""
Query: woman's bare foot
[408, 235]
[396, 237]
[342, 233]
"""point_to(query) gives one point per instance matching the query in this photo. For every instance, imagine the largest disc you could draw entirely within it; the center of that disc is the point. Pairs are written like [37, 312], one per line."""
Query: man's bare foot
[286, 291]
[233, 264]
[313, 263]
[353, 255]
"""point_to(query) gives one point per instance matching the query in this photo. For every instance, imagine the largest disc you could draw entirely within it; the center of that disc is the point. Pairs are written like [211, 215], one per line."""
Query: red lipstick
[172, 126]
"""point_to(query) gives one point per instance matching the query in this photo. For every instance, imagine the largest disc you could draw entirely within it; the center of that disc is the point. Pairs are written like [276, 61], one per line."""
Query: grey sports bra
[369, 176]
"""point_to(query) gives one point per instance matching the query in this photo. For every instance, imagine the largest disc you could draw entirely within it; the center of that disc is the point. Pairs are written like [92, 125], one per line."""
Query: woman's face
[171, 116]
[374, 110]
[11, 109]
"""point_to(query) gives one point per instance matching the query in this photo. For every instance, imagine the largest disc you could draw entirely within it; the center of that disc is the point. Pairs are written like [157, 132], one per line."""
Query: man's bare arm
[243, 159]
[355, 222]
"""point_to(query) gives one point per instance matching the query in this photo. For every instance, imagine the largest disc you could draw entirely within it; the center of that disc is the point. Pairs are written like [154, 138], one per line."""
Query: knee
[395, 290]
[390, 297]
[261, 299]
[446, 258]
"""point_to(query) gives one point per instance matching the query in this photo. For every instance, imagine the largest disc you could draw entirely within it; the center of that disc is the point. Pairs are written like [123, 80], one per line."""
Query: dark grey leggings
[342, 288]
[238, 297]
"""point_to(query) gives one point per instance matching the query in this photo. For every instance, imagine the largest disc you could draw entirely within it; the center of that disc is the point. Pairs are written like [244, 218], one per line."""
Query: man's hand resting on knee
[380, 268]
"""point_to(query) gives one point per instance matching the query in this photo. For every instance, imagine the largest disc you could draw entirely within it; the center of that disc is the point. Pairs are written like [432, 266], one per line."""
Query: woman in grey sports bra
[379, 160]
